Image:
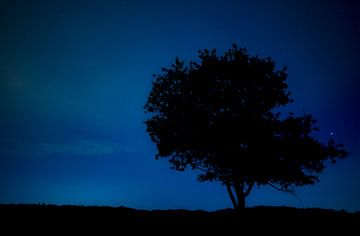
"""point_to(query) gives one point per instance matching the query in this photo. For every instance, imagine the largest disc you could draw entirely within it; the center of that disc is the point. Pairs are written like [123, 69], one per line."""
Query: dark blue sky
[74, 76]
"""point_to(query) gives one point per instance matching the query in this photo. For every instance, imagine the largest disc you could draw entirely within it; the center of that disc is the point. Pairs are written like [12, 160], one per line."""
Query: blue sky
[74, 76]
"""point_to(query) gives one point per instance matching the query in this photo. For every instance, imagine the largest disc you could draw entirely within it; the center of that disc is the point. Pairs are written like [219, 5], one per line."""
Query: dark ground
[283, 220]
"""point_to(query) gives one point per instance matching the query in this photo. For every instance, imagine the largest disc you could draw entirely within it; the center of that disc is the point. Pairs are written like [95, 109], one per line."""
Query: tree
[221, 116]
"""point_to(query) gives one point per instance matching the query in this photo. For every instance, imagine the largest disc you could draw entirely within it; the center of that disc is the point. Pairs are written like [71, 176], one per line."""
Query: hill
[276, 219]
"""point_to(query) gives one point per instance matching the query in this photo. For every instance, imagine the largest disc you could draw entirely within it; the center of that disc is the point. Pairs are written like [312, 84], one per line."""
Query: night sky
[74, 76]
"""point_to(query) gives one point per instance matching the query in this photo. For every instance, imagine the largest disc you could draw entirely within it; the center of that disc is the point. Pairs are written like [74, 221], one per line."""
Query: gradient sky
[74, 76]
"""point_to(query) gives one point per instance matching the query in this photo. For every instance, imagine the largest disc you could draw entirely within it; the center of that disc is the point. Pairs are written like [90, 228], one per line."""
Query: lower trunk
[241, 201]
[238, 201]
[233, 200]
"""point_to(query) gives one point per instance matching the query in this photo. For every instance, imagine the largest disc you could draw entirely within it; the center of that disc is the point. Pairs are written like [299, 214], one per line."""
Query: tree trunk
[238, 201]
[233, 200]
[241, 201]
[241, 192]
[240, 195]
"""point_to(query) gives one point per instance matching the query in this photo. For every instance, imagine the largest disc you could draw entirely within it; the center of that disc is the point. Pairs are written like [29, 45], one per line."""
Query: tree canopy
[221, 116]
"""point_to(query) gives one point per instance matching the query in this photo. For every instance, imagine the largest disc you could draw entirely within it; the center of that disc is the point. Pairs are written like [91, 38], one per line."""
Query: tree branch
[292, 192]
[206, 171]
[199, 168]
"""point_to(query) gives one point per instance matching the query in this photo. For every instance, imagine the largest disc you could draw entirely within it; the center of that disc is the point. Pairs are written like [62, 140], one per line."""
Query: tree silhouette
[221, 116]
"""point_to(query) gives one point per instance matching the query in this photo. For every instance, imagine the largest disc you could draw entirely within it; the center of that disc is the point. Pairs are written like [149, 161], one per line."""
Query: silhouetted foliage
[220, 116]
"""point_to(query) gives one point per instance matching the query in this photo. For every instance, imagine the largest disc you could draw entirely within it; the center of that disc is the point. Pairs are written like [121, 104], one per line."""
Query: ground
[40, 217]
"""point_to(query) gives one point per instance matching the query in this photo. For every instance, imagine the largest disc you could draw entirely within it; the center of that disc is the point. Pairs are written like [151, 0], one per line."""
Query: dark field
[270, 219]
